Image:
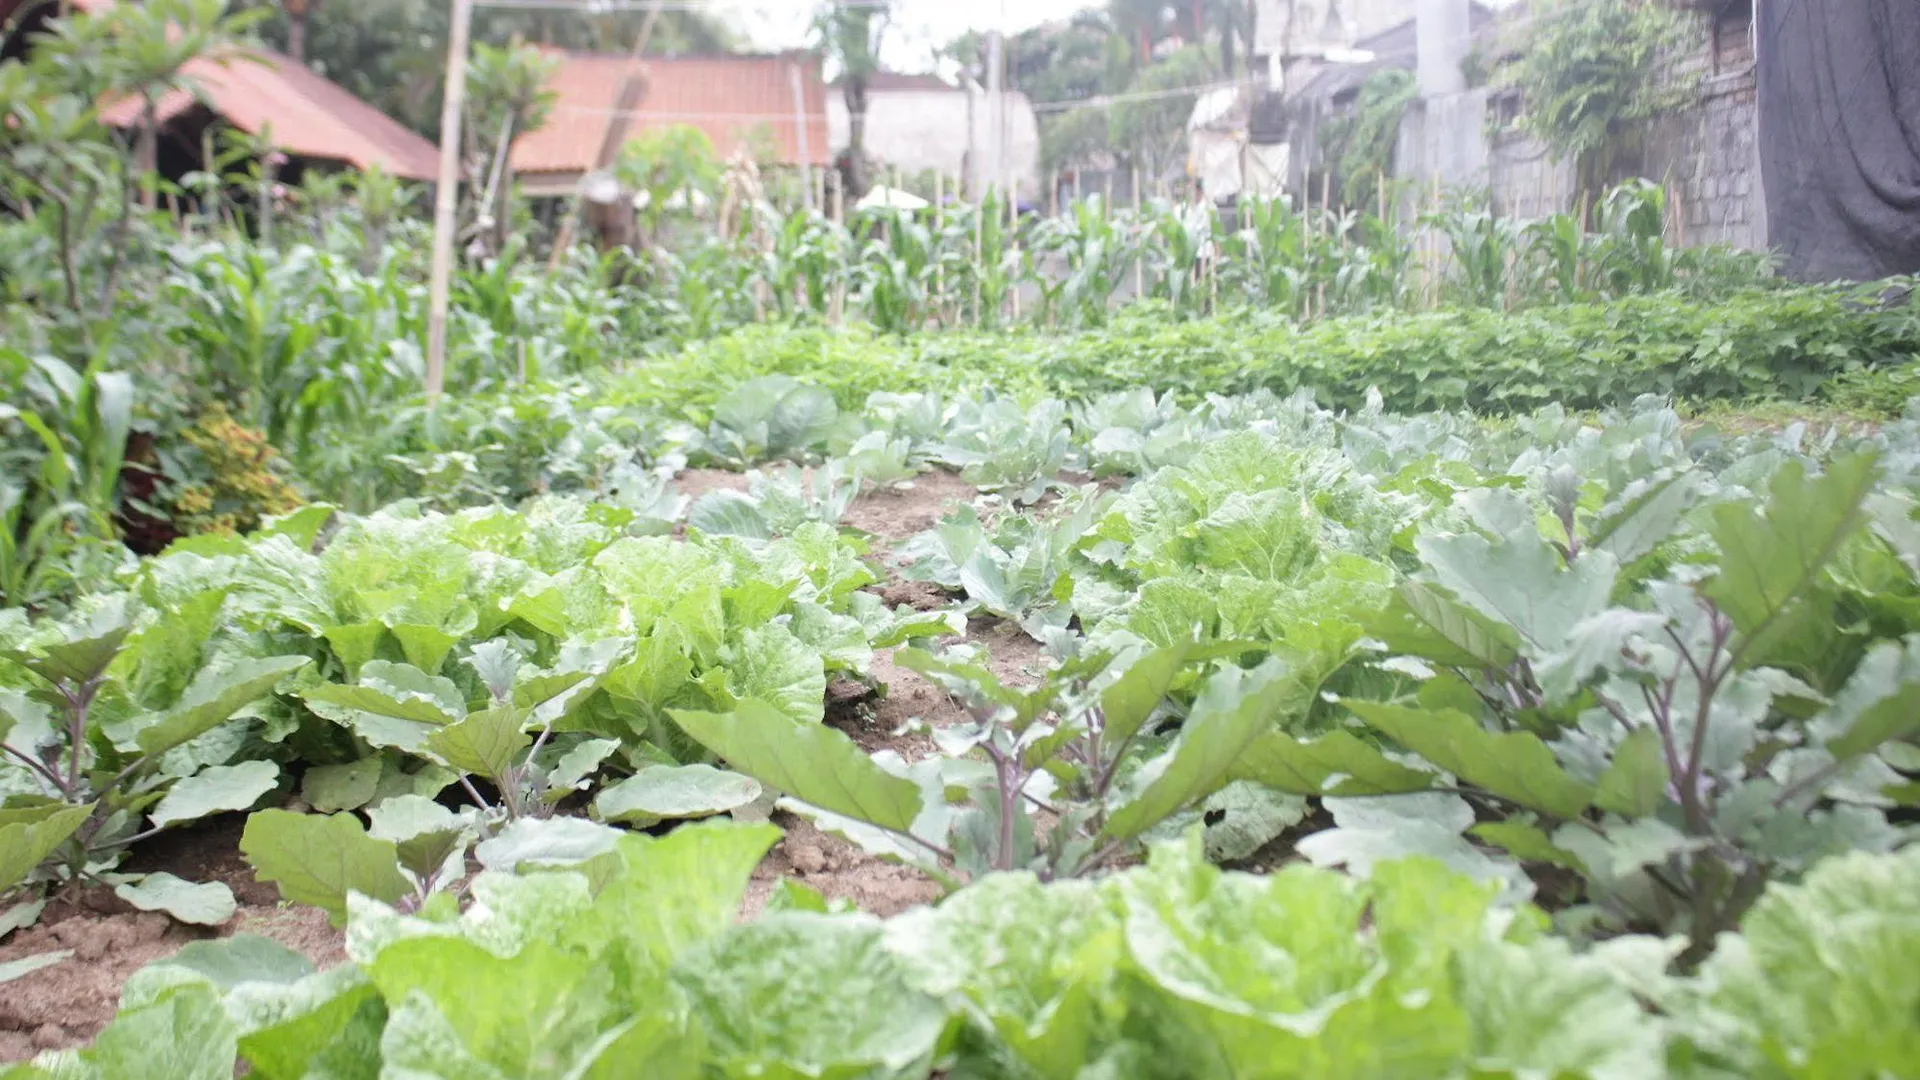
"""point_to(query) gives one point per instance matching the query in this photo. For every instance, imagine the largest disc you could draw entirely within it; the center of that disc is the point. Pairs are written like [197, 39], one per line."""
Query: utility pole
[996, 107]
[446, 198]
[1443, 30]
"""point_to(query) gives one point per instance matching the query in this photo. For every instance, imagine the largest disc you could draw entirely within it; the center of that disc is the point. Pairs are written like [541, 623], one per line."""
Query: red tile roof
[881, 82]
[259, 90]
[727, 97]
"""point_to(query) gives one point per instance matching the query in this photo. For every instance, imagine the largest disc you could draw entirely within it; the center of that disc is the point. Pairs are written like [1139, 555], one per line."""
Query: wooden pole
[979, 245]
[1053, 194]
[1139, 258]
[446, 199]
[837, 302]
[939, 238]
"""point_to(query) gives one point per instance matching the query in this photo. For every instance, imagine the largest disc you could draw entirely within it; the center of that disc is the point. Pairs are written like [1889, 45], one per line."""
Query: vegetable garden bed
[1521, 721]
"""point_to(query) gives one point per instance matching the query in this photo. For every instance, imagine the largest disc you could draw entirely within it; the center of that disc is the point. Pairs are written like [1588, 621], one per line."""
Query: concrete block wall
[1707, 153]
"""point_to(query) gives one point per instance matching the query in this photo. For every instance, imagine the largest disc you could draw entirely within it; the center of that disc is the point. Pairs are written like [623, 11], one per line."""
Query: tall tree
[297, 12]
[850, 32]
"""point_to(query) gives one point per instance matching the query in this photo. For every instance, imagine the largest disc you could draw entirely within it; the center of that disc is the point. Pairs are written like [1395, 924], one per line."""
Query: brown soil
[895, 513]
[694, 483]
[68, 1003]
[836, 870]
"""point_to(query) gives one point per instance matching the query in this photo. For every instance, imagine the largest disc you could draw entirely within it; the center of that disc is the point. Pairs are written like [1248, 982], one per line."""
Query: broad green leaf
[318, 859]
[1126, 705]
[1770, 557]
[1525, 841]
[1376, 831]
[674, 891]
[1635, 784]
[1244, 817]
[425, 647]
[663, 791]
[1595, 644]
[27, 965]
[811, 762]
[1336, 763]
[1646, 518]
[1513, 765]
[324, 1027]
[213, 699]
[184, 1035]
[544, 1012]
[1234, 707]
[242, 958]
[1541, 1010]
[1275, 976]
[571, 771]
[1822, 982]
[488, 742]
[355, 643]
[84, 656]
[560, 841]
[24, 843]
[1879, 703]
[328, 788]
[1520, 582]
[424, 833]
[395, 691]
[212, 791]
[1055, 948]
[203, 905]
[855, 1015]
[773, 666]
[1623, 847]
[1422, 621]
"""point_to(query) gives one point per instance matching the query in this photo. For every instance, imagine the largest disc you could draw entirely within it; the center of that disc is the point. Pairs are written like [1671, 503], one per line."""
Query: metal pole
[446, 198]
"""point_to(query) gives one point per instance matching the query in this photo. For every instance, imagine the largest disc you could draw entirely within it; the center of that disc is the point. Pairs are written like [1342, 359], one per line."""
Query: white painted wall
[1296, 26]
[915, 130]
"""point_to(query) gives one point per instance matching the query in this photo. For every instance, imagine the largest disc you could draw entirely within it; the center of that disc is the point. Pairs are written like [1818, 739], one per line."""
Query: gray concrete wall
[1707, 154]
[916, 130]
[1444, 139]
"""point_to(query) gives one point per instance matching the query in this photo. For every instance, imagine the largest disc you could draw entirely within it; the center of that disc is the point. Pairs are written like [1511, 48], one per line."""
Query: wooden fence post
[446, 199]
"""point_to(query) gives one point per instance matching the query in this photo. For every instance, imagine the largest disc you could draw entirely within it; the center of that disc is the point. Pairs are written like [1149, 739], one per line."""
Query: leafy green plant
[637, 959]
[1017, 569]
[1676, 713]
[1588, 74]
[116, 721]
[998, 446]
[1092, 747]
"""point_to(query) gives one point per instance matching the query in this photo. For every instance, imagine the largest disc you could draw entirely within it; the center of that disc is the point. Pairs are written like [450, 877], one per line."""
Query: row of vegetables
[1571, 702]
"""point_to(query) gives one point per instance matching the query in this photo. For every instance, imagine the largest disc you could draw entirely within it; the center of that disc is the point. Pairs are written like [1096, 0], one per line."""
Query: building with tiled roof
[263, 93]
[776, 103]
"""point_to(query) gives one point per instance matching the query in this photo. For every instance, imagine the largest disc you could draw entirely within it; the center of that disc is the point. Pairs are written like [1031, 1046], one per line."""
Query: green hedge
[1759, 345]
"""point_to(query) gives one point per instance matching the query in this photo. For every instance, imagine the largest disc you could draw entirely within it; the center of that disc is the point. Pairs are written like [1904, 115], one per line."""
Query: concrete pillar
[1444, 29]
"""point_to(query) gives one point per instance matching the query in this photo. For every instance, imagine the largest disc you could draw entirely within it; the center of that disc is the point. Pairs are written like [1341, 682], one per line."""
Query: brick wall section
[1707, 153]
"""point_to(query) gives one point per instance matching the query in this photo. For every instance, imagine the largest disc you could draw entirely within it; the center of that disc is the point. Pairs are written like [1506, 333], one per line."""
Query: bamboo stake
[446, 199]
[939, 231]
[979, 260]
[1053, 194]
[1139, 258]
[837, 303]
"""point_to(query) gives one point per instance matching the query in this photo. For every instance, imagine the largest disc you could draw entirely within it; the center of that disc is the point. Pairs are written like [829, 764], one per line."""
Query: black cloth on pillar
[1840, 135]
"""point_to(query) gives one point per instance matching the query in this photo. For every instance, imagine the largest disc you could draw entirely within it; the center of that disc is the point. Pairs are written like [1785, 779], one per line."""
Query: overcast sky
[918, 26]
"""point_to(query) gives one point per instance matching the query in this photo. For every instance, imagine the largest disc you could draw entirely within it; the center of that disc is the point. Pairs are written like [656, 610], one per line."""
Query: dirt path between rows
[68, 1003]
